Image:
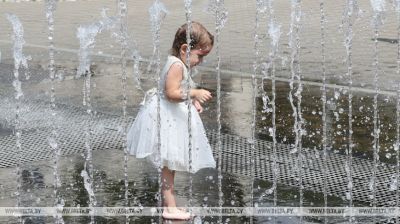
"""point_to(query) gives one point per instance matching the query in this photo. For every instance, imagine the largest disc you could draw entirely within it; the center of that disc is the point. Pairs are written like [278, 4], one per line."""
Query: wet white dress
[142, 136]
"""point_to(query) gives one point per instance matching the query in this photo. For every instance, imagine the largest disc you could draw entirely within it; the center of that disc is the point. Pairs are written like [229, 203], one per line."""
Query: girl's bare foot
[175, 213]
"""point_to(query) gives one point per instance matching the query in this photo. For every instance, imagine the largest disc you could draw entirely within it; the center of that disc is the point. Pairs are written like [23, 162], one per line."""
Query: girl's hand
[198, 106]
[200, 95]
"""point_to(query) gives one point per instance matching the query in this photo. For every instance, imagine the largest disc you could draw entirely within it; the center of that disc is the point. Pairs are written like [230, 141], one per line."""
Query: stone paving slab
[236, 41]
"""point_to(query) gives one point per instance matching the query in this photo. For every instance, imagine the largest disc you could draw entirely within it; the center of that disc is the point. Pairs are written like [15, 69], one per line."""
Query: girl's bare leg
[168, 196]
[167, 189]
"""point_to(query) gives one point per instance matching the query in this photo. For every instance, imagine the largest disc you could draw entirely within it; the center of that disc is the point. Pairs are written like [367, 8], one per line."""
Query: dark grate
[236, 153]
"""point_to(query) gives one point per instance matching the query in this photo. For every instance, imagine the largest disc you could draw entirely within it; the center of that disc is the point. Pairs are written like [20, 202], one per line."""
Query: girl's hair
[199, 36]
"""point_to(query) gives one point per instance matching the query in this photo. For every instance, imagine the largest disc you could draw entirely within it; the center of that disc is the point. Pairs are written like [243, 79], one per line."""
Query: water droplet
[393, 183]
[348, 196]
[337, 94]
[396, 146]
[250, 141]
[271, 132]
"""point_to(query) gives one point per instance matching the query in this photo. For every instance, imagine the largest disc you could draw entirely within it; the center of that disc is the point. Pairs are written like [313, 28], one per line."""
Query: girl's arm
[173, 83]
[173, 89]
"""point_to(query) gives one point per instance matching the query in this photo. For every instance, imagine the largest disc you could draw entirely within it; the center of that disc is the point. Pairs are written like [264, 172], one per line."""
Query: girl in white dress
[142, 139]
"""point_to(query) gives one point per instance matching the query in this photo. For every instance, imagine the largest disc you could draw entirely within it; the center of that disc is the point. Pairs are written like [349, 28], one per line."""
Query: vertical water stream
[86, 35]
[52, 139]
[294, 44]
[217, 8]
[378, 7]
[20, 60]
[123, 31]
[323, 99]
[157, 12]
[348, 17]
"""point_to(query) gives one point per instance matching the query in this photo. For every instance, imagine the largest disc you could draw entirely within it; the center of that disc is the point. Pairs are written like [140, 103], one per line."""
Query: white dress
[142, 138]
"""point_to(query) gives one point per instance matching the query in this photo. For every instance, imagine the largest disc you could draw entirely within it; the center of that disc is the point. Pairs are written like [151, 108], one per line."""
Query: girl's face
[196, 55]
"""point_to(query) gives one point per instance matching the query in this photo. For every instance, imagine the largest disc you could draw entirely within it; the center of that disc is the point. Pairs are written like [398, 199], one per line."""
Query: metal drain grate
[236, 153]
[71, 136]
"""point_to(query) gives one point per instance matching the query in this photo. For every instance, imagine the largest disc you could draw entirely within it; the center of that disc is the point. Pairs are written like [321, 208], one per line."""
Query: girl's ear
[183, 48]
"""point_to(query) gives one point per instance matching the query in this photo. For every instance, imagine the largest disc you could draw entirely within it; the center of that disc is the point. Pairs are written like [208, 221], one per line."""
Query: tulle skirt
[142, 138]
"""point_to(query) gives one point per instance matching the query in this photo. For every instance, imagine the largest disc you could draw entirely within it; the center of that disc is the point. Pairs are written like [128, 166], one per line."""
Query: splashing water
[294, 44]
[157, 12]
[88, 183]
[19, 58]
[50, 7]
[259, 64]
[274, 31]
[262, 6]
[136, 72]
[86, 35]
[217, 8]
[378, 7]
[123, 34]
[347, 22]
[186, 94]
[261, 10]
[323, 99]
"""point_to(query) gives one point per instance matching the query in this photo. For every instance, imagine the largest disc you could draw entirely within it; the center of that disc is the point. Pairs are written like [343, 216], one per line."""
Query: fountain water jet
[323, 99]
[122, 12]
[294, 44]
[86, 36]
[378, 7]
[217, 8]
[261, 8]
[186, 89]
[52, 139]
[19, 60]
[157, 13]
[349, 13]
[274, 32]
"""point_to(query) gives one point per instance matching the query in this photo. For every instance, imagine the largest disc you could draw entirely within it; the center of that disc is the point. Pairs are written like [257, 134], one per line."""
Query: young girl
[174, 136]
